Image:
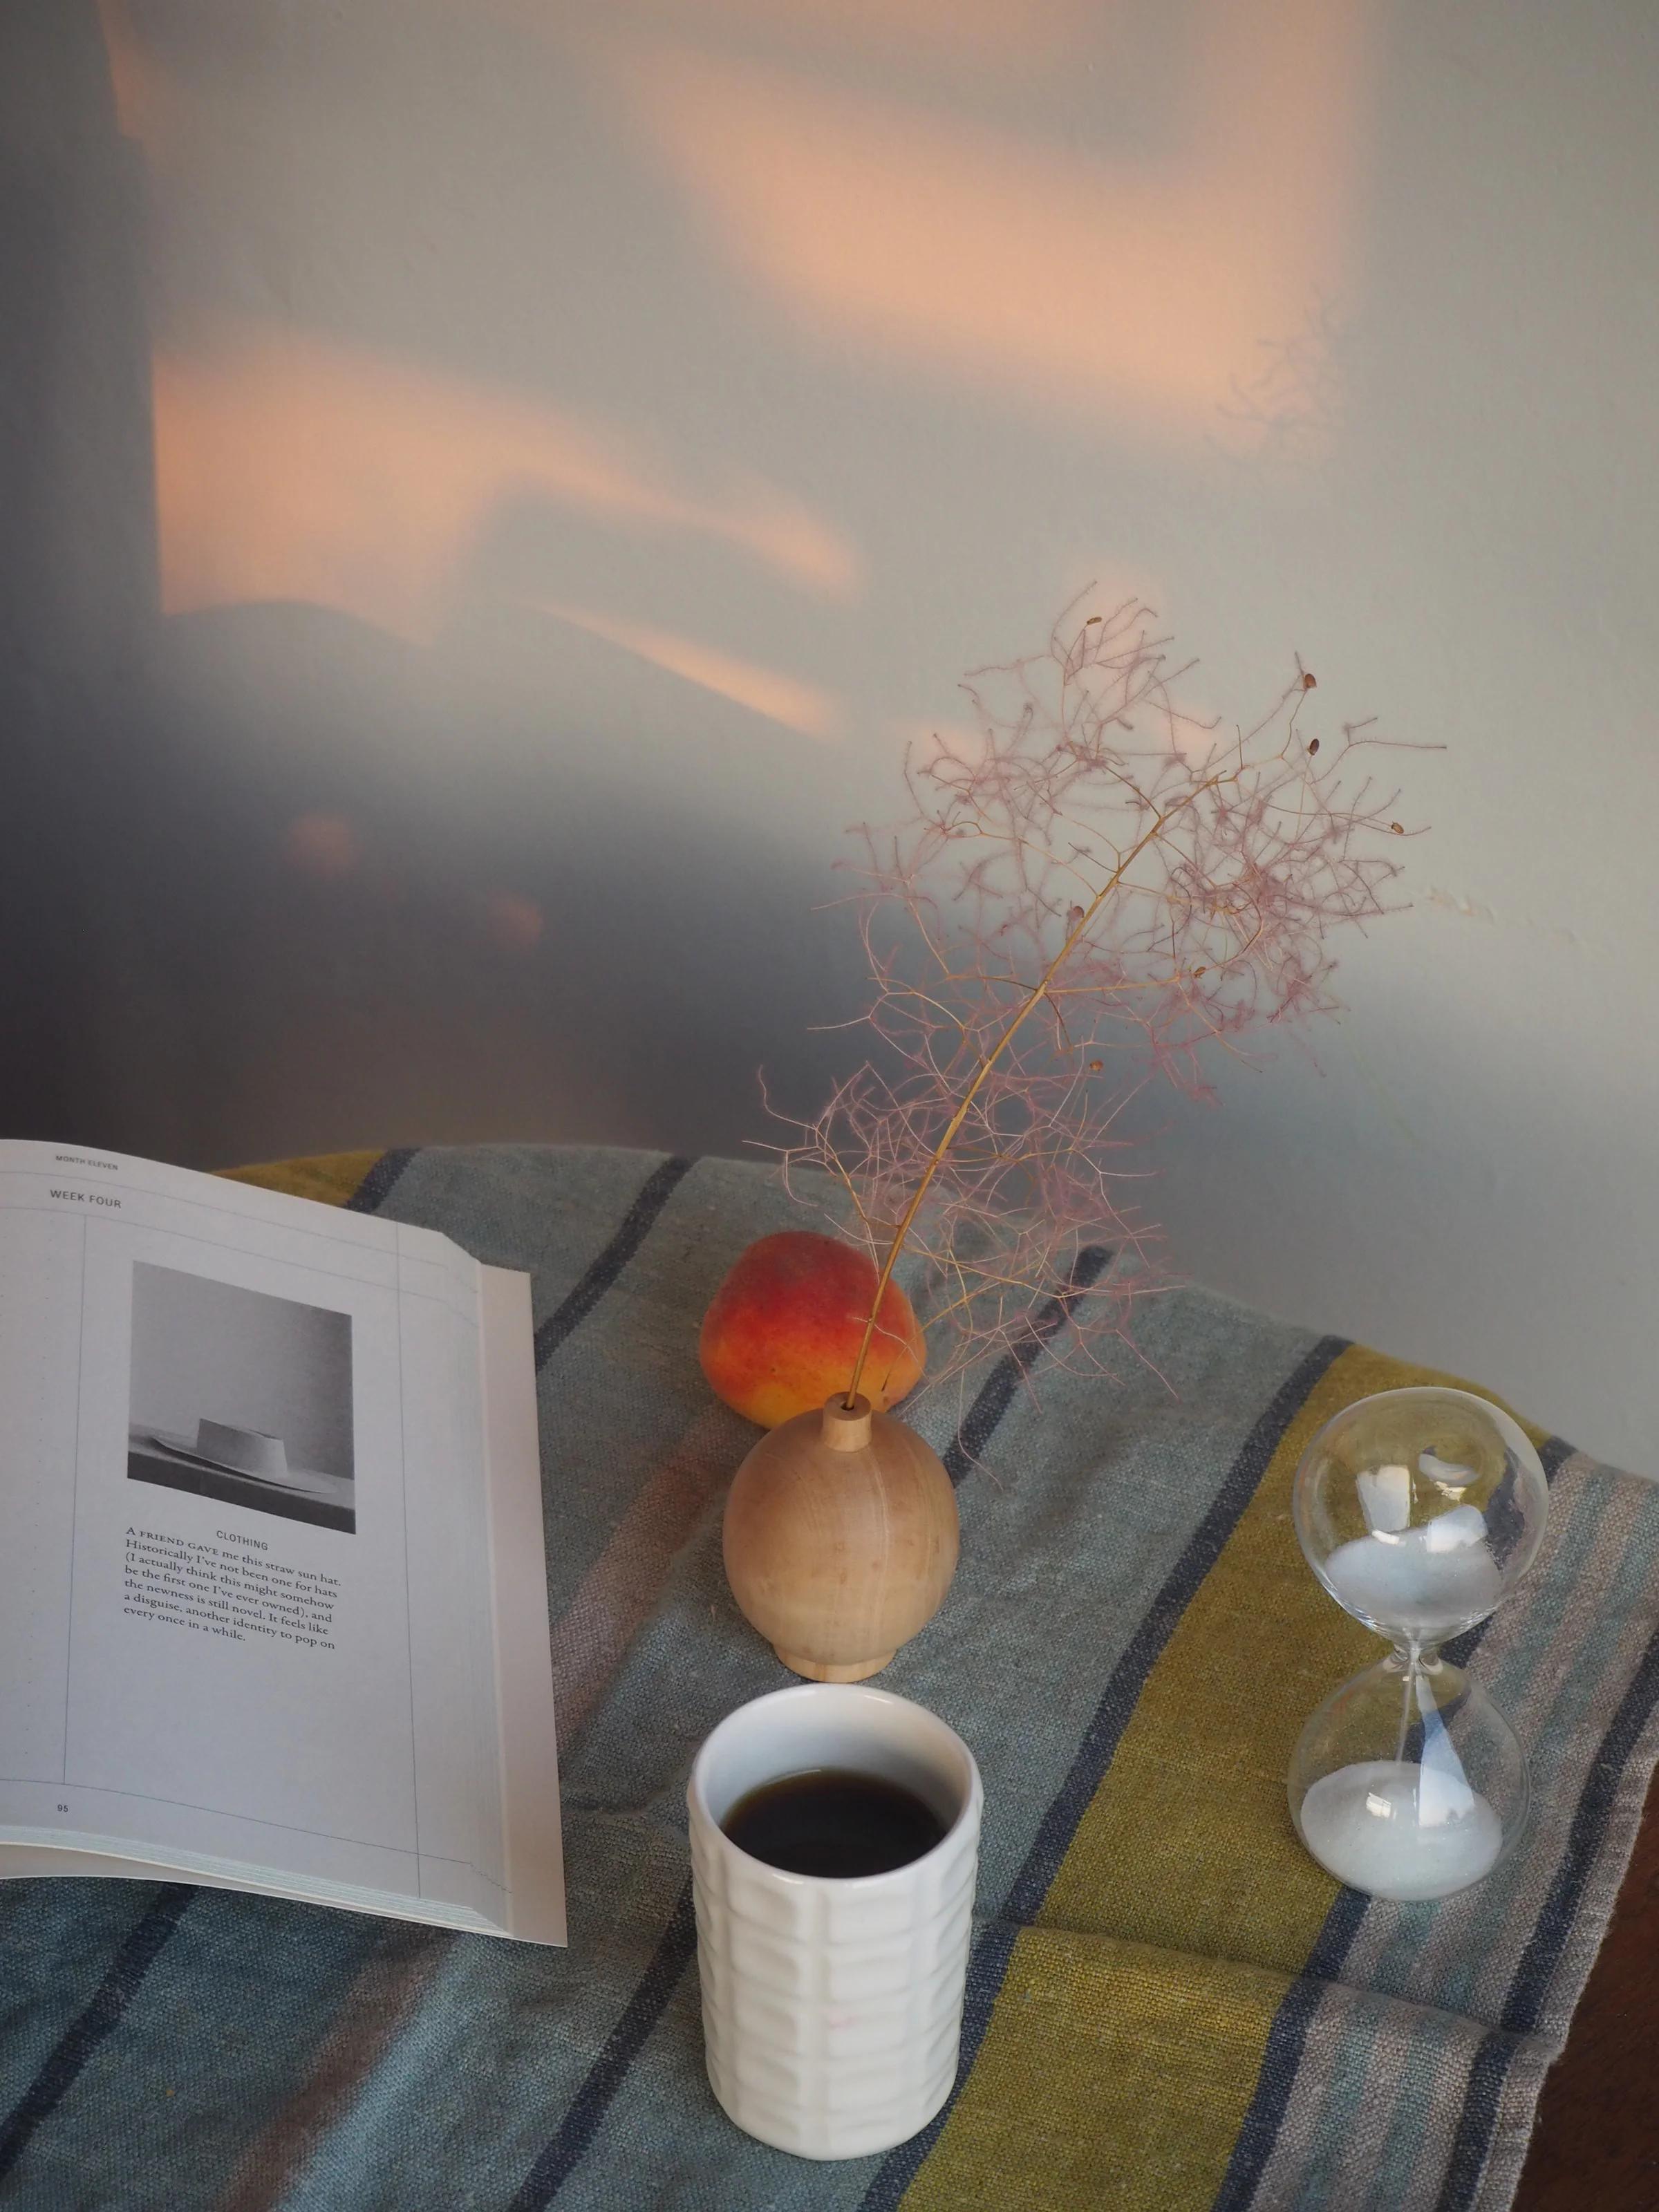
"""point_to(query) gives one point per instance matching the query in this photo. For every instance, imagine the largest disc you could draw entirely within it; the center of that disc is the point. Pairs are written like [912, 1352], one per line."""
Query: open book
[273, 1603]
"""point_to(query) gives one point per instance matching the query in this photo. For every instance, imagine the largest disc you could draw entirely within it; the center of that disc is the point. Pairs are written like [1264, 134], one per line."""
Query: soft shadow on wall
[512, 638]
[333, 877]
[78, 591]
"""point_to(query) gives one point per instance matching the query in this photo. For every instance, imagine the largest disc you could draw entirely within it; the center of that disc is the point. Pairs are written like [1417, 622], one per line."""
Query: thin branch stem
[1039, 992]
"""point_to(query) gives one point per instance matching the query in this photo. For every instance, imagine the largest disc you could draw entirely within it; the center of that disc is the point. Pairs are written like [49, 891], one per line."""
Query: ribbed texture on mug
[831, 2009]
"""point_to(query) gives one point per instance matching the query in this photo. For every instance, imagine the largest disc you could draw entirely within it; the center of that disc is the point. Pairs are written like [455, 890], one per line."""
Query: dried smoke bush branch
[1101, 890]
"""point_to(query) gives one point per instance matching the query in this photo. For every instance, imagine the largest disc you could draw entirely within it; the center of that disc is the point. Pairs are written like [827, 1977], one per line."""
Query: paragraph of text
[195, 1584]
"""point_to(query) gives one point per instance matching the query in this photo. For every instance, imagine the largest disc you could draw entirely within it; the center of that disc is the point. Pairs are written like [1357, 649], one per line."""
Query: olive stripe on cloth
[1096, 1752]
[1169, 2005]
[331, 1178]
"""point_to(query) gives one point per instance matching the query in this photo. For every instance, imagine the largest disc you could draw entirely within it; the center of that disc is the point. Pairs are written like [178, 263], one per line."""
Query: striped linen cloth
[1169, 2006]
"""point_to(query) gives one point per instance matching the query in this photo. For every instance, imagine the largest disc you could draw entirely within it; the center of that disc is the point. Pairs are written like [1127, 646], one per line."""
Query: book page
[520, 1651]
[245, 1561]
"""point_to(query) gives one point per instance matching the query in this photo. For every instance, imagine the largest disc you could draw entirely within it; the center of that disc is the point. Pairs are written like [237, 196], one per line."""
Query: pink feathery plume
[1099, 893]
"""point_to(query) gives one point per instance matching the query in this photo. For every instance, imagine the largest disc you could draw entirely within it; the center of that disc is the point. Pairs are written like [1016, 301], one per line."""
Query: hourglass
[1418, 1510]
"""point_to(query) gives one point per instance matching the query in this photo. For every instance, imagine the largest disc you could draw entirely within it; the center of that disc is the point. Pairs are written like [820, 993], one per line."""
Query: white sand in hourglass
[1399, 1830]
[1418, 1582]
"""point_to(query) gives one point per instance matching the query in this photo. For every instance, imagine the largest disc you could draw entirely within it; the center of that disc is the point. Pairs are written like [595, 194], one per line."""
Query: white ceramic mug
[832, 2009]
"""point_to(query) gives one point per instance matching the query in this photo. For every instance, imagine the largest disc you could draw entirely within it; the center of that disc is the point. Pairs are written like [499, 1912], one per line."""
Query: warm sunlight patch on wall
[1001, 33]
[766, 691]
[1138, 285]
[148, 106]
[292, 468]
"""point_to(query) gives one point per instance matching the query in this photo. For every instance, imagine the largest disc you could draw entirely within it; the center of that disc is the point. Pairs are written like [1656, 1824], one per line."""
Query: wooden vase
[841, 1539]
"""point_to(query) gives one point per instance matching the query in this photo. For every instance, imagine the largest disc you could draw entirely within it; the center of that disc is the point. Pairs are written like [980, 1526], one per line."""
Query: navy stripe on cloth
[1144, 1647]
[62, 2070]
[996, 1393]
[1530, 1986]
[1462, 1649]
[1533, 1977]
[1542, 1955]
[635, 1226]
[1111, 1717]
[1474, 2126]
[565, 2148]
[986, 1968]
[375, 1188]
[1287, 2039]
[609, 2069]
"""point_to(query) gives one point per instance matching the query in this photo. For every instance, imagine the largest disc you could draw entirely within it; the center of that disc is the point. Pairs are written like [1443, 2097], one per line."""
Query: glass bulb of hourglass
[1418, 1510]
[1408, 1782]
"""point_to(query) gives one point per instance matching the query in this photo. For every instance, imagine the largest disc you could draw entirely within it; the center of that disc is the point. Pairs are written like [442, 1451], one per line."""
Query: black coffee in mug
[827, 1822]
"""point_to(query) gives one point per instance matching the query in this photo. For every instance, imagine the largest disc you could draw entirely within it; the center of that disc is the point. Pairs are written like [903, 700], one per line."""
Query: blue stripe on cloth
[1100, 1741]
[996, 1393]
[103, 2013]
[634, 1227]
[563, 2152]
[375, 1188]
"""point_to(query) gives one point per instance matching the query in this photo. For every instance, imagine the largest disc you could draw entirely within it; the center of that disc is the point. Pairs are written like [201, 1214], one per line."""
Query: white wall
[587, 441]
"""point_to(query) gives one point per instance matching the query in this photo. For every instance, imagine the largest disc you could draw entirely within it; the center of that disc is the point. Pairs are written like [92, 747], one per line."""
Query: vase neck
[847, 1428]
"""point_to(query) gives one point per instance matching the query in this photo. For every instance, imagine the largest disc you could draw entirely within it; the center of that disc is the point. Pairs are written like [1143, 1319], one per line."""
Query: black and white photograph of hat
[242, 1397]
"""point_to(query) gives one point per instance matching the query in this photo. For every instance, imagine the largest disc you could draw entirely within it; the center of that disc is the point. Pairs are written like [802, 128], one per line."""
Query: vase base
[821, 1670]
